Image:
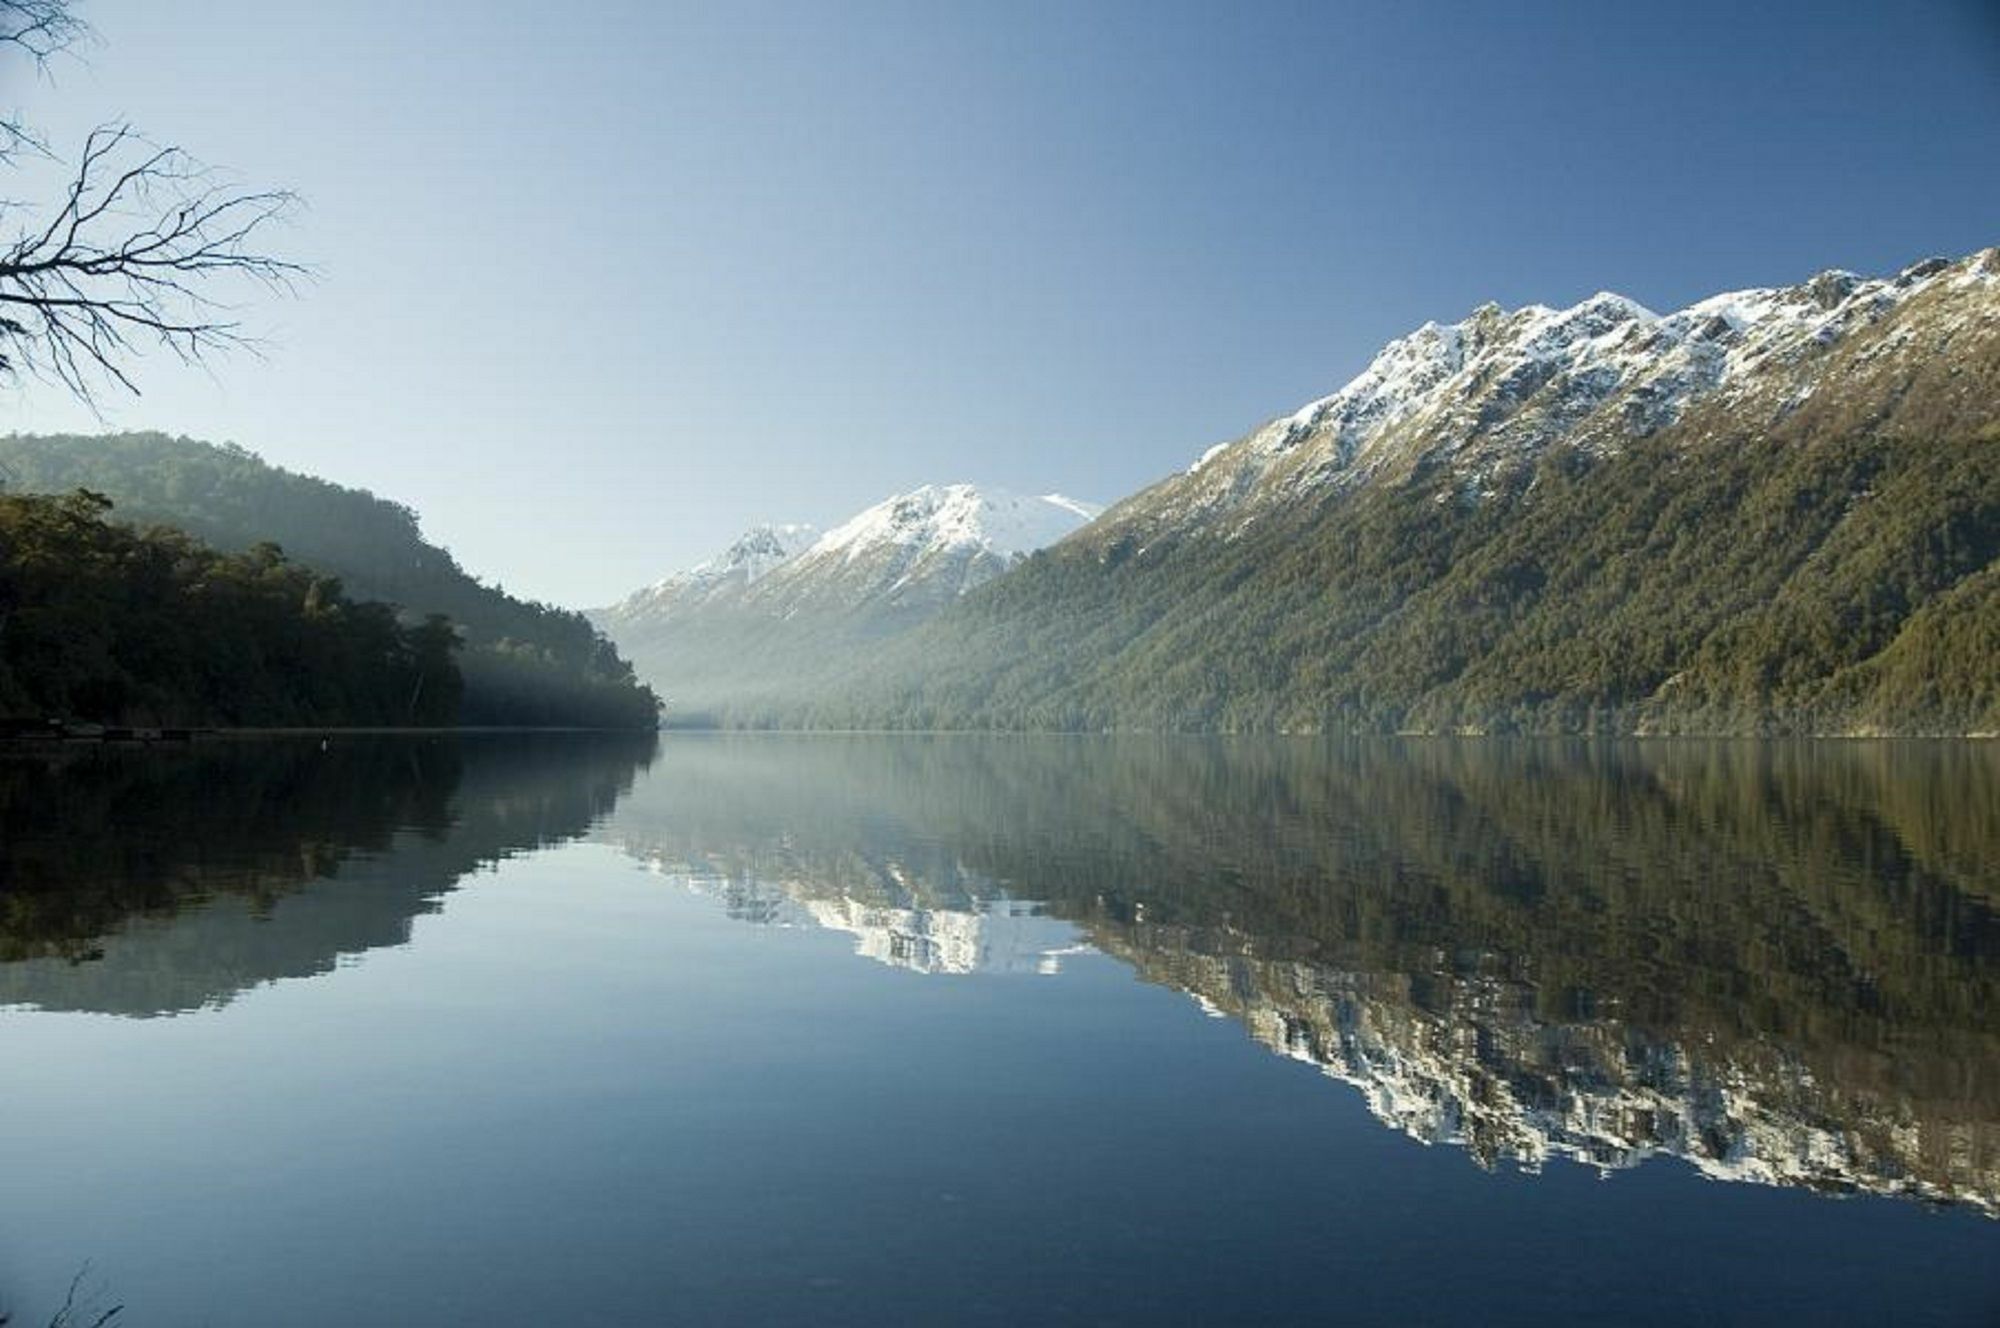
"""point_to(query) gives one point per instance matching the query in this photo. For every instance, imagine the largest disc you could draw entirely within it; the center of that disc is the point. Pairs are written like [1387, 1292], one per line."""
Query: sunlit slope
[1775, 511]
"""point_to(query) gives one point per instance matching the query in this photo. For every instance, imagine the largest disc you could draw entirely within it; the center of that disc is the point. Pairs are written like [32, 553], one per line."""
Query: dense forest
[102, 621]
[1796, 583]
[522, 663]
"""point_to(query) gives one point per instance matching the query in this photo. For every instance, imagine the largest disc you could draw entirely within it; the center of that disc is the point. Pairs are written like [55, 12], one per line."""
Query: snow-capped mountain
[942, 518]
[918, 551]
[1595, 517]
[724, 577]
[908, 553]
[780, 602]
[1485, 397]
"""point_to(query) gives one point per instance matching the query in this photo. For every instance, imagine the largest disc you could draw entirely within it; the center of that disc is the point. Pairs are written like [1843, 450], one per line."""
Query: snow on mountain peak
[907, 554]
[913, 552]
[1485, 392]
[939, 517]
[753, 556]
[1400, 372]
[1088, 511]
[755, 552]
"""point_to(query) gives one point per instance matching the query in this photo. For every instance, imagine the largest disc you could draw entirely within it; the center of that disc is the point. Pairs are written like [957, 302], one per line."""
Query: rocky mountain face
[723, 579]
[912, 554]
[1481, 400]
[785, 603]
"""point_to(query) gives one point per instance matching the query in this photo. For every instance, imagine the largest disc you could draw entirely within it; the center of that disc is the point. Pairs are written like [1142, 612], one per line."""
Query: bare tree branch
[40, 28]
[37, 30]
[134, 256]
[140, 252]
[74, 1311]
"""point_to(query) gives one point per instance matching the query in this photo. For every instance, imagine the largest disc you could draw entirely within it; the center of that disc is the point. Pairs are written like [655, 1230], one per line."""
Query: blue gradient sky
[603, 284]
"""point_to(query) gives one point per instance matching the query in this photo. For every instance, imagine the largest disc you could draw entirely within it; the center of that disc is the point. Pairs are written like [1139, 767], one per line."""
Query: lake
[709, 1029]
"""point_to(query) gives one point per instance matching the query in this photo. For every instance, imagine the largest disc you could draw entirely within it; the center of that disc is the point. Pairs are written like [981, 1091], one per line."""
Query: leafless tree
[83, 1312]
[139, 252]
[32, 31]
[81, 1307]
[39, 28]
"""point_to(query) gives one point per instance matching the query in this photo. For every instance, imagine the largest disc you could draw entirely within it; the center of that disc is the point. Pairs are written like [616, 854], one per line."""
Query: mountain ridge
[776, 608]
[1774, 511]
[753, 555]
[1487, 395]
[983, 526]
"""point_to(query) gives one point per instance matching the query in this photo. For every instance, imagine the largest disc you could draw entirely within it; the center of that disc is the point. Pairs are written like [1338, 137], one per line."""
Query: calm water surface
[906, 1030]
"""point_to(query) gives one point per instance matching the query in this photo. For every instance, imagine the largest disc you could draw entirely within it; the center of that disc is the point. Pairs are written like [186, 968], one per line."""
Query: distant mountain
[910, 555]
[1775, 510]
[722, 579]
[783, 605]
[523, 663]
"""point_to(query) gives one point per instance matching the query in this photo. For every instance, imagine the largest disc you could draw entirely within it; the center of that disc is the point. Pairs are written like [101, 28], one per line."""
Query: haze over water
[828, 1030]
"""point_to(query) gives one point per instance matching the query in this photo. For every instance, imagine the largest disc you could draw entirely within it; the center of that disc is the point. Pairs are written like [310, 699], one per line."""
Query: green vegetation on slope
[101, 621]
[1806, 544]
[523, 663]
[1778, 584]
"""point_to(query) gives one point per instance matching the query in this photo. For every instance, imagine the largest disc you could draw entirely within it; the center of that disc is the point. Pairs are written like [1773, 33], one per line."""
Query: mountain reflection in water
[1773, 962]
[1777, 963]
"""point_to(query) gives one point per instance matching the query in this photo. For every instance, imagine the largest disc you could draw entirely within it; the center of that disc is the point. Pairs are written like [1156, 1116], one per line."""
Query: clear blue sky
[604, 284]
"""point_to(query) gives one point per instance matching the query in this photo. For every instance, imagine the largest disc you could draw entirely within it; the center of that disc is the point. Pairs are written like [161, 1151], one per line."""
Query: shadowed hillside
[524, 663]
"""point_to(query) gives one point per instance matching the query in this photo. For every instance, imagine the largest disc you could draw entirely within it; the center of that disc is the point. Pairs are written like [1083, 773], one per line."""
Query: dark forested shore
[102, 622]
[150, 581]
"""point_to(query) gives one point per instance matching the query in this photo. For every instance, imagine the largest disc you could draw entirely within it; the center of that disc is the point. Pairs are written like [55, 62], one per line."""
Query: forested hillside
[99, 621]
[1849, 587]
[1776, 512]
[523, 662]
